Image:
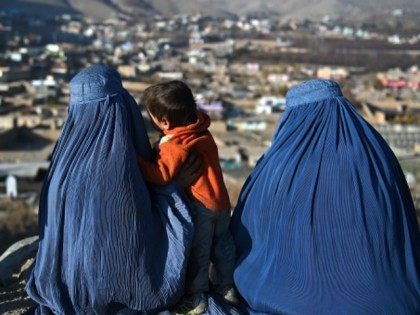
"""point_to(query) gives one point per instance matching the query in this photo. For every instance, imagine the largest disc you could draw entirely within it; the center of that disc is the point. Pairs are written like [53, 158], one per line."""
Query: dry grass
[17, 221]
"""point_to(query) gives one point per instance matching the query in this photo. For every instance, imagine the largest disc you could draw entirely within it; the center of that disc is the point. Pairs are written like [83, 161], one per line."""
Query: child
[172, 109]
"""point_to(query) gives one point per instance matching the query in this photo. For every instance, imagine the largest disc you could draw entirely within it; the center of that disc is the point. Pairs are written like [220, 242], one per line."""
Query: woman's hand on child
[190, 170]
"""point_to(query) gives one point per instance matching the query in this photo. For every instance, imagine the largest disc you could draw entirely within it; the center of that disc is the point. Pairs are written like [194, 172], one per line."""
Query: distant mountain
[100, 9]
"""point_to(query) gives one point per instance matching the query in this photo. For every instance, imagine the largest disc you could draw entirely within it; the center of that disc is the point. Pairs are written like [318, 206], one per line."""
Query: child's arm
[169, 159]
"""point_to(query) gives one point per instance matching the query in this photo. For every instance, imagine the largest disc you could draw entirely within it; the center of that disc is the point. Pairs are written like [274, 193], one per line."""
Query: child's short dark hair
[172, 100]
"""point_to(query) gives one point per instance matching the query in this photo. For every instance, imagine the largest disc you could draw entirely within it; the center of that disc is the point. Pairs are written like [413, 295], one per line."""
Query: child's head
[170, 104]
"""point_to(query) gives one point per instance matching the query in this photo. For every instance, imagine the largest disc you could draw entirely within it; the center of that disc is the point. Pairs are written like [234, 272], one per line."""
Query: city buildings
[239, 69]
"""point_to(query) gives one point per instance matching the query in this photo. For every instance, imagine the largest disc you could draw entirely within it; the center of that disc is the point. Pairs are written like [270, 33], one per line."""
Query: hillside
[100, 9]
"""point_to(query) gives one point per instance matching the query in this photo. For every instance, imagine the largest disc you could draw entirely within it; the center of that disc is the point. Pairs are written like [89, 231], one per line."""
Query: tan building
[329, 73]
[127, 71]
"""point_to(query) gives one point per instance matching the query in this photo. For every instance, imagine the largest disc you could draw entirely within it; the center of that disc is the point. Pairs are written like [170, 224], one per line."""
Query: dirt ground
[14, 300]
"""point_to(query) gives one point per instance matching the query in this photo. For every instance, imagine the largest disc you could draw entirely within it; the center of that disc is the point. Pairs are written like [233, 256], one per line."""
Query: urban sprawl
[239, 68]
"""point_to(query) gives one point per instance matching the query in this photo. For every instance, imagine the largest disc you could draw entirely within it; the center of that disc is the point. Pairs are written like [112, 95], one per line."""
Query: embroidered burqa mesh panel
[107, 240]
[325, 224]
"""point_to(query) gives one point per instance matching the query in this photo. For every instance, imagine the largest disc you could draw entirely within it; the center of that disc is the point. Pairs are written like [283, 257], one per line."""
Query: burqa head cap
[93, 83]
[312, 91]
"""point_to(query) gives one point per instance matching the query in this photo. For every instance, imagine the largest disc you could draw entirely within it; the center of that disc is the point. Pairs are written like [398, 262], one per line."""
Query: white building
[11, 186]
[246, 124]
[270, 104]
[170, 75]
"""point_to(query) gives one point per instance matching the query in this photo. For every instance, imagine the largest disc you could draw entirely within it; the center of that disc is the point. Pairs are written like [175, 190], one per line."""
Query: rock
[26, 269]
[14, 257]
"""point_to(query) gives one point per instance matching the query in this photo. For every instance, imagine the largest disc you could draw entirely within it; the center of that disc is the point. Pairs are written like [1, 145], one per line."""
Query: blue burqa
[107, 240]
[325, 223]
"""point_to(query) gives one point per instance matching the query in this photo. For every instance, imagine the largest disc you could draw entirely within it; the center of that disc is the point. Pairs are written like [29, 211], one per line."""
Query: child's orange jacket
[209, 188]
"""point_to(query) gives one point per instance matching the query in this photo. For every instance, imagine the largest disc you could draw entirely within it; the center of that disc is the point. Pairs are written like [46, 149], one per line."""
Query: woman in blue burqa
[325, 224]
[107, 241]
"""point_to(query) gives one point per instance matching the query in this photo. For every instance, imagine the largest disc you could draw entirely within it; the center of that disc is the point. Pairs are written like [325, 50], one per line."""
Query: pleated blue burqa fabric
[107, 241]
[325, 224]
